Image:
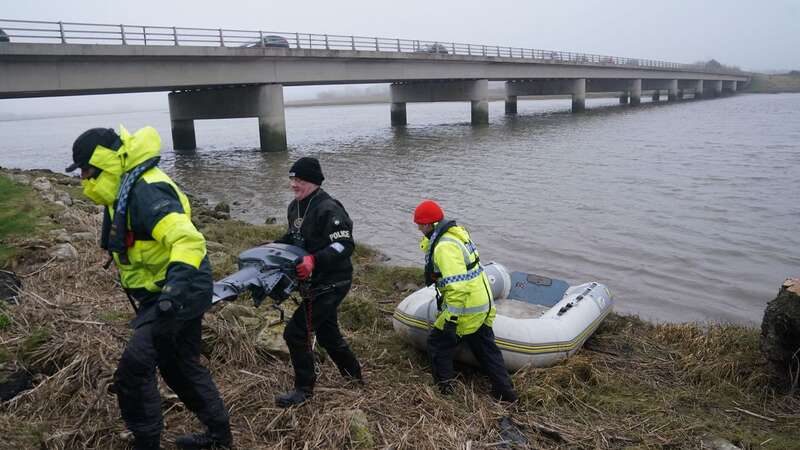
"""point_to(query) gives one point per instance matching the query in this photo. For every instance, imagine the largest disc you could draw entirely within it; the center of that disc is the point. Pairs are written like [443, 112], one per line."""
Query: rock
[10, 285]
[222, 207]
[42, 184]
[13, 384]
[780, 335]
[59, 203]
[63, 197]
[60, 235]
[63, 252]
[407, 286]
[232, 312]
[20, 178]
[270, 340]
[84, 236]
[213, 246]
[358, 426]
[718, 444]
[270, 221]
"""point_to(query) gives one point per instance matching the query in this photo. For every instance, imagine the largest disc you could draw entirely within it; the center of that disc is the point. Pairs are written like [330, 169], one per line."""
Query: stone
[42, 184]
[358, 425]
[20, 178]
[780, 336]
[270, 340]
[60, 235]
[213, 246]
[718, 444]
[84, 236]
[10, 286]
[222, 207]
[270, 221]
[64, 252]
[63, 197]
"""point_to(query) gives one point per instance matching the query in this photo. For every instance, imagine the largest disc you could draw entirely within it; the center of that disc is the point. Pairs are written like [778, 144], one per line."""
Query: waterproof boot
[505, 396]
[293, 398]
[146, 443]
[215, 438]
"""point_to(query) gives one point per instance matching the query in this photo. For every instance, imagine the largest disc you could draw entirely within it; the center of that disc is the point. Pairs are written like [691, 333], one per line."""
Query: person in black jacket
[319, 224]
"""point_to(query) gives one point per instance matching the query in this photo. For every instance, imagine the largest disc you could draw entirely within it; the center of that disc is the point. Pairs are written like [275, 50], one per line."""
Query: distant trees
[713, 64]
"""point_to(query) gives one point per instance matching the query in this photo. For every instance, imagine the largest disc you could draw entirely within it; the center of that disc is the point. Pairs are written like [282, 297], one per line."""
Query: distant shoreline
[762, 84]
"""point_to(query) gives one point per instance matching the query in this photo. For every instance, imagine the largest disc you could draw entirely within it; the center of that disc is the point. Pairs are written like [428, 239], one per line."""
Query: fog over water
[686, 211]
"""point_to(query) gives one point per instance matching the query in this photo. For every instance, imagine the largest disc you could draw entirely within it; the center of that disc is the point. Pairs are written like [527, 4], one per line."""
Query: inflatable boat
[539, 322]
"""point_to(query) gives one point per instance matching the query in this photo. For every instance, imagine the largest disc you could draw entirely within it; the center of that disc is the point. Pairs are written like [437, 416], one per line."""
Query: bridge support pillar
[636, 92]
[713, 87]
[579, 95]
[474, 91]
[264, 101]
[398, 113]
[673, 94]
[698, 89]
[729, 87]
[511, 104]
[183, 137]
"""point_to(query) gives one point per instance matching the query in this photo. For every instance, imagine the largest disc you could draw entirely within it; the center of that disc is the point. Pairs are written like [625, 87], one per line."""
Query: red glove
[305, 268]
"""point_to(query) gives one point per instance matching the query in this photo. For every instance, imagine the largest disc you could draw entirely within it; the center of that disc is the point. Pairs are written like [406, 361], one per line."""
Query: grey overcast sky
[761, 36]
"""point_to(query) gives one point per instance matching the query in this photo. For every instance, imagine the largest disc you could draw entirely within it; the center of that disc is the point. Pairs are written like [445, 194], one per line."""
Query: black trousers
[324, 323]
[179, 363]
[442, 348]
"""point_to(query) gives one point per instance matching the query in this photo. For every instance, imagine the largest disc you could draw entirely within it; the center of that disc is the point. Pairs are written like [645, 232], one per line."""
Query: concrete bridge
[216, 73]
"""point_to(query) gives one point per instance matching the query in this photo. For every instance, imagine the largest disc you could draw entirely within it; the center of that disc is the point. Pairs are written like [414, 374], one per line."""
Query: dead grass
[635, 385]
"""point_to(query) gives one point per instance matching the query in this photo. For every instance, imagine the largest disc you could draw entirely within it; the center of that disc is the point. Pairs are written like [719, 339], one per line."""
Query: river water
[688, 212]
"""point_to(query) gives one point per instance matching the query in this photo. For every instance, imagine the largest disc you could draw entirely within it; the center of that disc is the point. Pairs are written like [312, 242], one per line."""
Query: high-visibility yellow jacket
[166, 254]
[461, 282]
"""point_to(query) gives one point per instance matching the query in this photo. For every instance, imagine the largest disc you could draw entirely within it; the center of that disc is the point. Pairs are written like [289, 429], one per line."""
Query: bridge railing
[122, 34]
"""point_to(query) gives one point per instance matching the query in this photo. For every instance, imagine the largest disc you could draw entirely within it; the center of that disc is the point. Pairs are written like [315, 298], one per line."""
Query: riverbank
[775, 84]
[634, 385]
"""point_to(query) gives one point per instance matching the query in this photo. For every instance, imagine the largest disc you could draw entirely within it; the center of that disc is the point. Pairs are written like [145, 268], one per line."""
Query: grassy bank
[773, 84]
[634, 385]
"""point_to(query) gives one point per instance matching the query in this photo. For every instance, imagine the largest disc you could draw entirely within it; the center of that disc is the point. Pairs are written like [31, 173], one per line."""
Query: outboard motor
[265, 271]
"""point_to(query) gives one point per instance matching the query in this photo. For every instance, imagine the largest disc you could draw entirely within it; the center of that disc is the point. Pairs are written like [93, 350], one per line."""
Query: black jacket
[326, 232]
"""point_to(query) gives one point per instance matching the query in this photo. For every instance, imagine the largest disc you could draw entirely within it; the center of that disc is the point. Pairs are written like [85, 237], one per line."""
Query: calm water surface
[687, 211]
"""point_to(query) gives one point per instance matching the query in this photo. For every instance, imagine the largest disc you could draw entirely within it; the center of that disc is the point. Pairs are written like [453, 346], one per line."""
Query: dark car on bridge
[435, 48]
[3, 36]
[269, 40]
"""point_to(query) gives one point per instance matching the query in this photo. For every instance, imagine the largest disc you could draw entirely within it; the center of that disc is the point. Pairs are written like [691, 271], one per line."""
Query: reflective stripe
[472, 274]
[473, 310]
[465, 251]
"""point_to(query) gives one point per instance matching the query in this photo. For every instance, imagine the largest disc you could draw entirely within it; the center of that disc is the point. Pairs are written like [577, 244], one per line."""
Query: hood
[138, 147]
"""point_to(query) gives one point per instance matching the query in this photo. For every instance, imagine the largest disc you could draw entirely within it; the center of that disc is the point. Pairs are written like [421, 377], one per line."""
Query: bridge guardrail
[31, 31]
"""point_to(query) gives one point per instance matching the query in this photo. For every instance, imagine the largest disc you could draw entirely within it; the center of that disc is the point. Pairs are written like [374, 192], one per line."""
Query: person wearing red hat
[319, 224]
[464, 301]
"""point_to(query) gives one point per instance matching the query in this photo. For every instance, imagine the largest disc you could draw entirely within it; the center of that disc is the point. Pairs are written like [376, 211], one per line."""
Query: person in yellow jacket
[464, 300]
[164, 270]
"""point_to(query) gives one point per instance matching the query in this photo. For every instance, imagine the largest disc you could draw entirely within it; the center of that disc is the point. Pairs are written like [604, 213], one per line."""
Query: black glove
[166, 325]
[449, 329]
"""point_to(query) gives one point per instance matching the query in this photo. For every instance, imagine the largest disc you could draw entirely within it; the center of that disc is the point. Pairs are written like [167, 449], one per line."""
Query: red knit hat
[428, 212]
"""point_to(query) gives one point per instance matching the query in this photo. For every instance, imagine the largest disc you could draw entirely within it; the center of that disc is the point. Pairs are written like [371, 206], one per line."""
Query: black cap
[308, 169]
[84, 146]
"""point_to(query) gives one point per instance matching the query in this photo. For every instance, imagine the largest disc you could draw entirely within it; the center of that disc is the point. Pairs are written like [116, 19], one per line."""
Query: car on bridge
[270, 40]
[435, 48]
